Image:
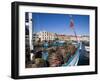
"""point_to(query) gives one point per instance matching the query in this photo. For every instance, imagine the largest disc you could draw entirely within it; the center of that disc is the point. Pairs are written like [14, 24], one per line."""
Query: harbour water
[84, 56]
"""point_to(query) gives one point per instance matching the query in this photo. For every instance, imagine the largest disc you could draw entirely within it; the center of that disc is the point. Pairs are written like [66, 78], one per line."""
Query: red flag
[71, 23]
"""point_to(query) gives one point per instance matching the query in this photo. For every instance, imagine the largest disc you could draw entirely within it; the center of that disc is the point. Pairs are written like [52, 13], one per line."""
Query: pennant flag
[71, 24]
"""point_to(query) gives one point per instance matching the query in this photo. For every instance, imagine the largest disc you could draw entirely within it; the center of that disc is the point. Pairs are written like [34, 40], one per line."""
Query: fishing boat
[72, 59]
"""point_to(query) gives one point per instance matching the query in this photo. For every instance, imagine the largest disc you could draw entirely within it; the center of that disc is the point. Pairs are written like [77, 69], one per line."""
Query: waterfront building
[44, 35]
[63, 37]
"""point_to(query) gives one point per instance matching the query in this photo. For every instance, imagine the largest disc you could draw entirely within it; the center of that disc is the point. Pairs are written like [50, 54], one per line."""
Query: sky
[60, 23]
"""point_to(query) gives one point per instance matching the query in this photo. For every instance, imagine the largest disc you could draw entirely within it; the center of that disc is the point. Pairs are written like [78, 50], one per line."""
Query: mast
[30, 31]
[30, 35]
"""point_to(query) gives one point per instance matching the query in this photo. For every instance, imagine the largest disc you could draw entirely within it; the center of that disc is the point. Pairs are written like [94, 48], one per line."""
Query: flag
[72, 26]
[71, 23]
